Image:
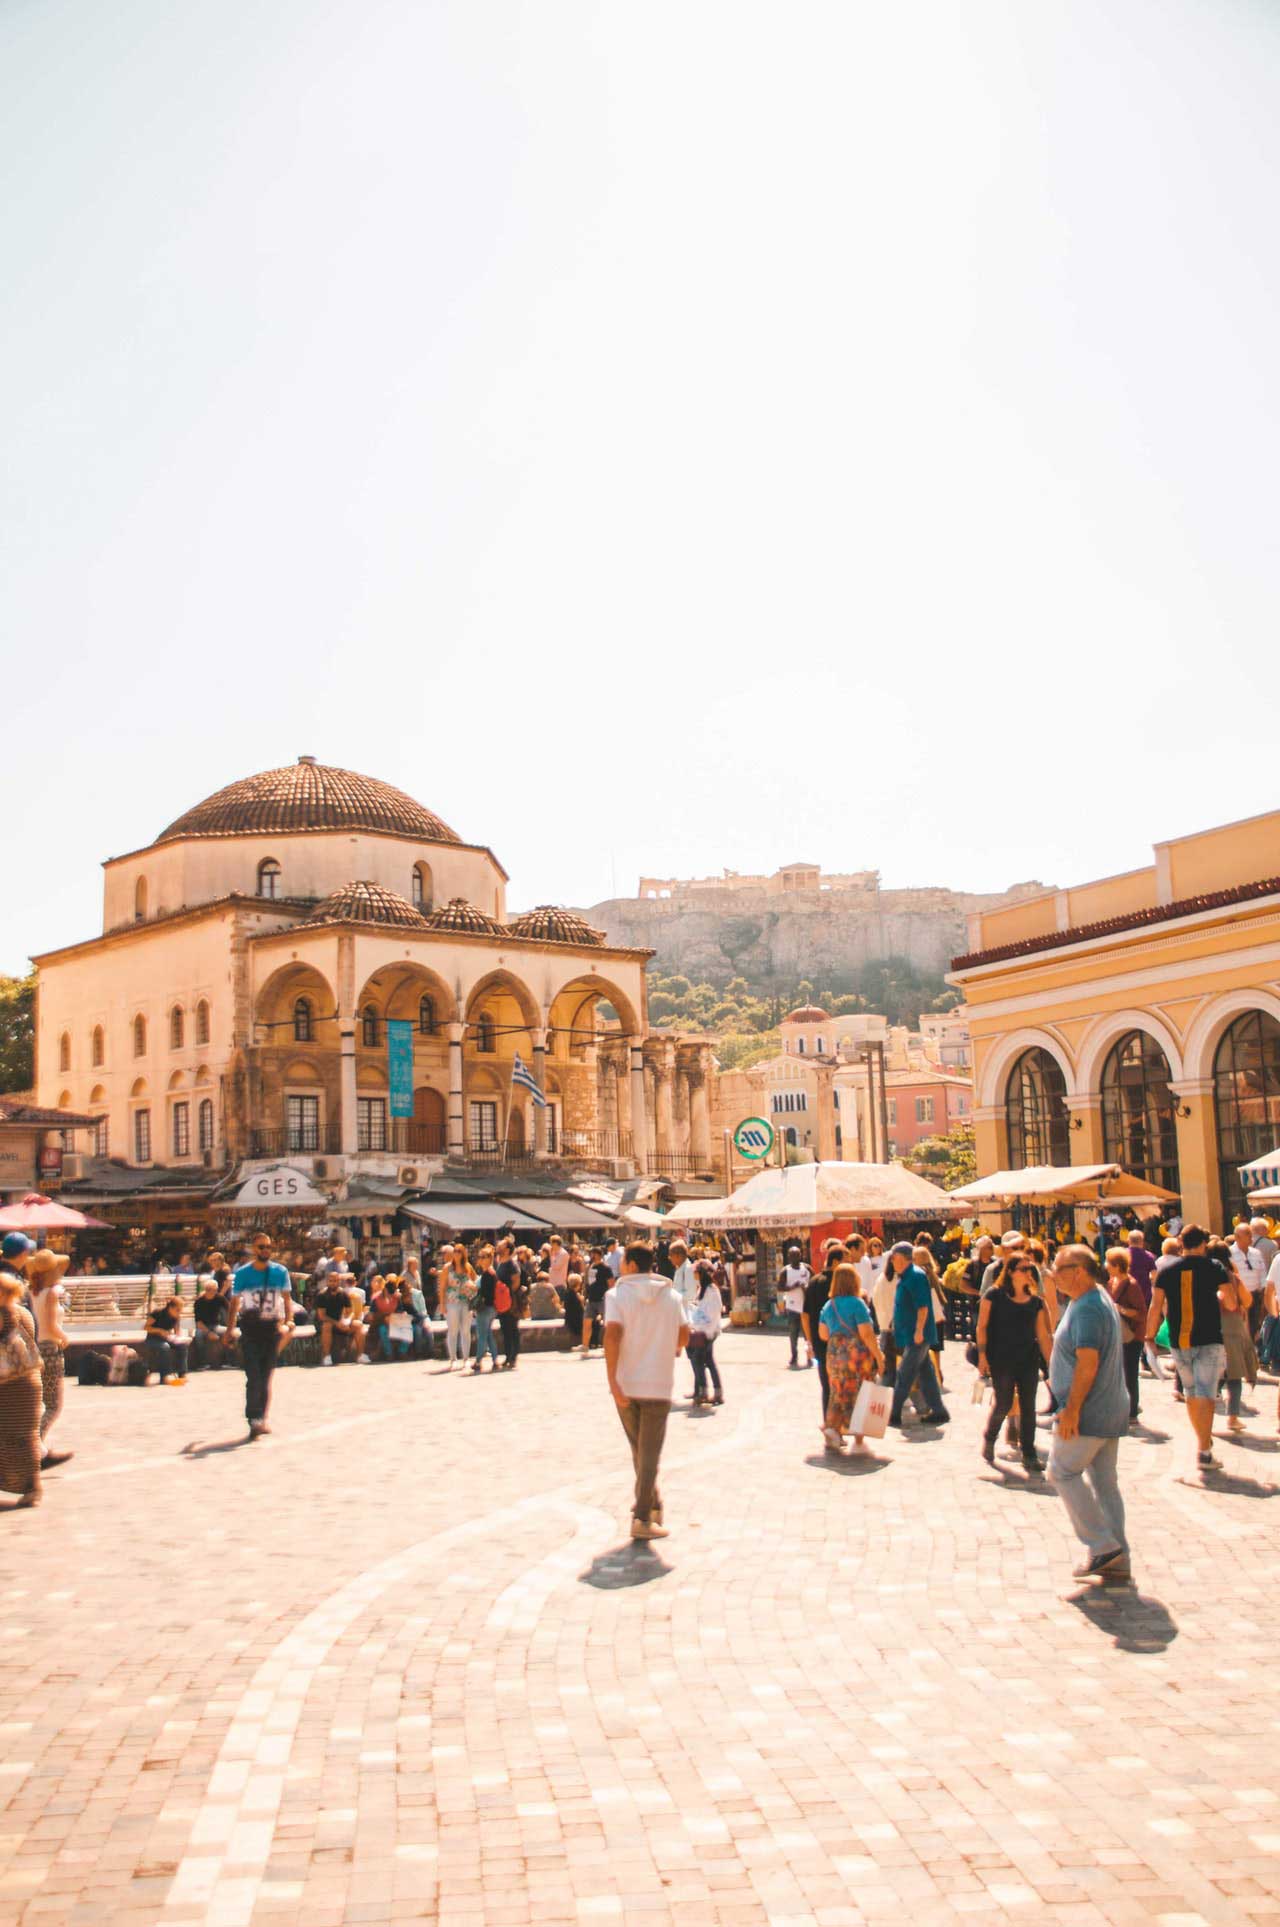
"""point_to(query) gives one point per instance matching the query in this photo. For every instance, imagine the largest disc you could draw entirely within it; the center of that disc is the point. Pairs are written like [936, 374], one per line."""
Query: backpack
[93, 1368]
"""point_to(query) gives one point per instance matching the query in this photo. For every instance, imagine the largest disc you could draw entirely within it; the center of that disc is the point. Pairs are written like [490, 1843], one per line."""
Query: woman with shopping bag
[853, 1352]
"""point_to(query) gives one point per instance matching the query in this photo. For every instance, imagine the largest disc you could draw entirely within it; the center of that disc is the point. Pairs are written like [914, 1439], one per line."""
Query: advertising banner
[400, 1066]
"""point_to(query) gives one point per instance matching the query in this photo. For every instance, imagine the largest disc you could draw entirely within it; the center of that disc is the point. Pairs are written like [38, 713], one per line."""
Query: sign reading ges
[281, 1188]
[753, 1138]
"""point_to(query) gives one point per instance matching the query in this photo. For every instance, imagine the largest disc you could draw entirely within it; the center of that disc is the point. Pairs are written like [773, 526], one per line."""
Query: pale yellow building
[1136, 1019]
[235, 1004]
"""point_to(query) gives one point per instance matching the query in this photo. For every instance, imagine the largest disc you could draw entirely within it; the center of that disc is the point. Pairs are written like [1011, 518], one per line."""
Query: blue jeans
[164, 1356]
[486, 1336]
[915, 1368]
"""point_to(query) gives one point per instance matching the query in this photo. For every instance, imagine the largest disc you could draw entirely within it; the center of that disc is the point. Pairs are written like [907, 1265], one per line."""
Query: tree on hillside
[17, 1032]
[948, 1161]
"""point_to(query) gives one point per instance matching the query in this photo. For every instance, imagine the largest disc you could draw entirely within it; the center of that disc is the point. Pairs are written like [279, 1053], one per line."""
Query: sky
[658, 438]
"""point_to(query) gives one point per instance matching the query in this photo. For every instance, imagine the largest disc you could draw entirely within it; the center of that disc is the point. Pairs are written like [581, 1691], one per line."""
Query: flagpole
[511, 1098]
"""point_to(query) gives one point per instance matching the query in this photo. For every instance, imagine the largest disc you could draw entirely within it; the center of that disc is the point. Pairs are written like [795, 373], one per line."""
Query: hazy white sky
[657, 437]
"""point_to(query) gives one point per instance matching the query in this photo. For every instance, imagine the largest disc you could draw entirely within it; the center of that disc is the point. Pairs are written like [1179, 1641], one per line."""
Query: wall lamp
[1181, 1110]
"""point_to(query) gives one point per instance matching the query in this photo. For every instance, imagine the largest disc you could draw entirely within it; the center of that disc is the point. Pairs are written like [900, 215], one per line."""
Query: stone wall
[762, 937]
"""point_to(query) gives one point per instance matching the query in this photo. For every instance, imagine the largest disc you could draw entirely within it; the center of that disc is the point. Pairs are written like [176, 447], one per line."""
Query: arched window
[484, 1032]
[1246, 1089]
[140, 900]
[98, 1046]
[64, 1051]
[369, 1026]
[1138, 1127]
[177, 1028]
[202, 1022]
[268, 877]
[427, 1016]
[204, 1124]
[302, 1021]
[420, 886]
[1035, 1108]
[139, 1036]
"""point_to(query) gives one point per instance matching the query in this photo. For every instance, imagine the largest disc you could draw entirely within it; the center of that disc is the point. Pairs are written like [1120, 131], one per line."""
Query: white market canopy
[1062, 1184]
[1263, 1174]
[808, 1194]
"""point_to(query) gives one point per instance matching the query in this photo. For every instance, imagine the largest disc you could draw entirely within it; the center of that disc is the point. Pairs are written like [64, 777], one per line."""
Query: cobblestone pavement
[397, 1662]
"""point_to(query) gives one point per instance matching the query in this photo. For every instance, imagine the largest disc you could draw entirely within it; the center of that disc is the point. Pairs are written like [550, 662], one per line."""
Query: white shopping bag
[871, 1410]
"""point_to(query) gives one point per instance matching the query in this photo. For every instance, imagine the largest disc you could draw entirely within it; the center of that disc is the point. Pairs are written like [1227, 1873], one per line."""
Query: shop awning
[470, 1216]
[561, 1213]
[1263, 1174]
[809, 1194]
[1062, 1184]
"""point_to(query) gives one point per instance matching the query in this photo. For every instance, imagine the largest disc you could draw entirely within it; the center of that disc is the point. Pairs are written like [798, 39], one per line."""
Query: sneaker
[326, 1361]
[1099, 1562]
[1033, 1466]
[51, 1459]
[832, 1438]
[935, 1418]
[364, 1359]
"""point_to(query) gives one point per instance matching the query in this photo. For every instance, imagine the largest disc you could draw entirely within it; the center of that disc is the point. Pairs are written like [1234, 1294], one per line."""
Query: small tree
[948, 1161]
[17, 1032]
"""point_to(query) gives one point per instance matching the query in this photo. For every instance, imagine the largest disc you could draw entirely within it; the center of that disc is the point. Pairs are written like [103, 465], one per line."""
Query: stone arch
[98, 1095]
[1207, 1030]
[995, 1072]
[273, 1009]
[64, 1100]
[497, 985]
[139, 1087]
[599, 988]
[1107, 1031]
[177, 1081]
[371, 1077]
[398, 988]
[302, 1070]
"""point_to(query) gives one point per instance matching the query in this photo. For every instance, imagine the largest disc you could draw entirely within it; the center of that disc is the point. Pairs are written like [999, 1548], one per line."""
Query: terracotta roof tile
[463, 916]
[307, 795]
[1115, 926]
[550, 924]
[364, 902]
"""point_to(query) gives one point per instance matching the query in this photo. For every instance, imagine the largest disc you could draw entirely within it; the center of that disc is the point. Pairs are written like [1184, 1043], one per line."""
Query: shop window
[1138, 1122]
[1036, 1113]
[1246, 1089]
[303, 1032]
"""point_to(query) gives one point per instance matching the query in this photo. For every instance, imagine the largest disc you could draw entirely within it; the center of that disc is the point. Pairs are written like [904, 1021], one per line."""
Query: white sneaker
[364, 1359]
[326, 1361]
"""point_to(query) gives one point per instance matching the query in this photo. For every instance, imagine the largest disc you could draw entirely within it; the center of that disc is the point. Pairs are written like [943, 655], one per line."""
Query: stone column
[639, 1120]
[1086, 1129]
[1198, 1151]
[665, 1121]
[455, 1135]
[540, 1115]
[346, 988]
[700, 1120]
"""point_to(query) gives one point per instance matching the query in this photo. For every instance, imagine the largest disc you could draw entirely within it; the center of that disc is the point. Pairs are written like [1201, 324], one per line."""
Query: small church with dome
[236, 1004]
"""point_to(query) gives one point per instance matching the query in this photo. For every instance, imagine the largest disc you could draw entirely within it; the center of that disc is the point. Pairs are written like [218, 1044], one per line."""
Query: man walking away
[1190, 1293]
[1086, 1376]
[795, 1276]
[262, 1305]
[645, 1330]
[915, 1333]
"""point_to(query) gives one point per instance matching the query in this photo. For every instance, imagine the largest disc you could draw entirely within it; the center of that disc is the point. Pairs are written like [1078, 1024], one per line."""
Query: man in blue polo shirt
[262, 1306]
[1086, 1376]
[915, 1333]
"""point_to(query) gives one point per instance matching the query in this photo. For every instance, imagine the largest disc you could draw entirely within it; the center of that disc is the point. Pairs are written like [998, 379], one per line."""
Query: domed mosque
[312, 966]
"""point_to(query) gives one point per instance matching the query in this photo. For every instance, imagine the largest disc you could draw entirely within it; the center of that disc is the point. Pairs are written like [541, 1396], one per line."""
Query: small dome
[307, 795]
[364, 902]
[807, 1014]
[462, 916]
[553, 925]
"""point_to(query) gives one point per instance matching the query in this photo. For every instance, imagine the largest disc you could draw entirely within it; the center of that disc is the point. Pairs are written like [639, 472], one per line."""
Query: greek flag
[523, 1075]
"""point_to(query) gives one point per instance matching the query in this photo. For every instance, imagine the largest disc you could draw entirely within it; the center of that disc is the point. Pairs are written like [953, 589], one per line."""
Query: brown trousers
[644, 1420]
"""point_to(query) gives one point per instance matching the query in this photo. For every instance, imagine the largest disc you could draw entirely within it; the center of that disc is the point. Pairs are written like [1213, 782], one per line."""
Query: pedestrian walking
[19, 1390]
[1238, 1346]
[457, 1280]
[1248, 1265]
[816, 1294]
[1132, 1304]
[1014, 1334]
[262, 1308]
[706, 1316]
[1191, 1294]
[44, 1277]
[486, 1309]
[791, 1289]
[853, 1351]
[1086, 1374]
[508, 1299]
[600, 1281]
[645, 1330]
[915, 1332]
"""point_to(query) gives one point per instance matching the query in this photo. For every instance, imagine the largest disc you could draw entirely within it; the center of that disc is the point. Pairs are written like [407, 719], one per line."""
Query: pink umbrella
[37, 1213]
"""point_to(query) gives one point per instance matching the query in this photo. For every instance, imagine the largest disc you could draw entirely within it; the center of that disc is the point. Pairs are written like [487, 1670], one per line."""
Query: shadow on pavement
[1232, 1482]
[1136, 1622]
[849, 1465]
[196, 1451]
[633, 1564]
[1147, 1434]
[1034, 1487]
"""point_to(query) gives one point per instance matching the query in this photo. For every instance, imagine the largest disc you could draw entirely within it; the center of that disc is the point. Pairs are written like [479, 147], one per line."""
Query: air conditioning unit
[72, 1166]
[410, 1174]
[326, 1168]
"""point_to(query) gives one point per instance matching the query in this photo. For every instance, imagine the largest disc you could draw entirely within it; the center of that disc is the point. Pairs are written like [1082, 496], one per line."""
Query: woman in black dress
[1013, 1335]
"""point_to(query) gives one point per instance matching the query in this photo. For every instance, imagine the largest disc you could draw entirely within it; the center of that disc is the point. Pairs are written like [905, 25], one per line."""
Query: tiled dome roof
[555, 925]
[807, 1014]
[364, 902]
[307, 795]
[463, 916]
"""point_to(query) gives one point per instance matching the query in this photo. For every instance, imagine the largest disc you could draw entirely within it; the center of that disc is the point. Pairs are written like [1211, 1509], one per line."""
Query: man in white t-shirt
[794, 1277]
[646, 1327]
[1248, 1264]
[613, 1258]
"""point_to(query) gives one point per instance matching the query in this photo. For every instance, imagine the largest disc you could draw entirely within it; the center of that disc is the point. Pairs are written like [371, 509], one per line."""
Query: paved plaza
[398, 1662]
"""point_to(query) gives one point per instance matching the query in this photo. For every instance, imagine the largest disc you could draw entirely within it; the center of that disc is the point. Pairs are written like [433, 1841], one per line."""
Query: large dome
[307, 795]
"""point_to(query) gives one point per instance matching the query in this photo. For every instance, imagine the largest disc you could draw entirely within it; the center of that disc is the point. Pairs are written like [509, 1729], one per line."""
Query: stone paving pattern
[397, 1662]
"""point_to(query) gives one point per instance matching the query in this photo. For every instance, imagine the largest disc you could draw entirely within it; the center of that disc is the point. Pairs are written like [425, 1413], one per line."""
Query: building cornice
[1127, 981]
[1055, 945]
[241, 836]
[478, 939]
[169, 919]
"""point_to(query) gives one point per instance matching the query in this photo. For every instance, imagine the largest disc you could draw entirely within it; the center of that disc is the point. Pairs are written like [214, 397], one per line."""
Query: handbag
[870, 1415]
[400, 1328]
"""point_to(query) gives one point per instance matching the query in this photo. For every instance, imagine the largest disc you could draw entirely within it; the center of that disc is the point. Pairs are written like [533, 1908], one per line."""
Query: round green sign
[753, 1138]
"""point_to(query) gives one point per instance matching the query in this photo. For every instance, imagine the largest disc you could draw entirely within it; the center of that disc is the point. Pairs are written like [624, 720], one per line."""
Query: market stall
[1070, 1186]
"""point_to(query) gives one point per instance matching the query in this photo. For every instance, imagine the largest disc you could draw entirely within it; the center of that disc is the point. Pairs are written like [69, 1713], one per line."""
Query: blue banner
[400, 1066]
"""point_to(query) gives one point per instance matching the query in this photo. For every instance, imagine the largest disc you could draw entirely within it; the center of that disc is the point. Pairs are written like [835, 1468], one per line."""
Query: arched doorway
[1138, 1116]
[1035, 1108]
[1246, 1090]
[427, 1133]
[515, 1130]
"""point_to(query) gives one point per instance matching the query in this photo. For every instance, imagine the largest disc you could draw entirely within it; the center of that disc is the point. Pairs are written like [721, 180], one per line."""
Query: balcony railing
[589, 1144]
[678, 1164]
[278, 1141]
[409, 1135]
